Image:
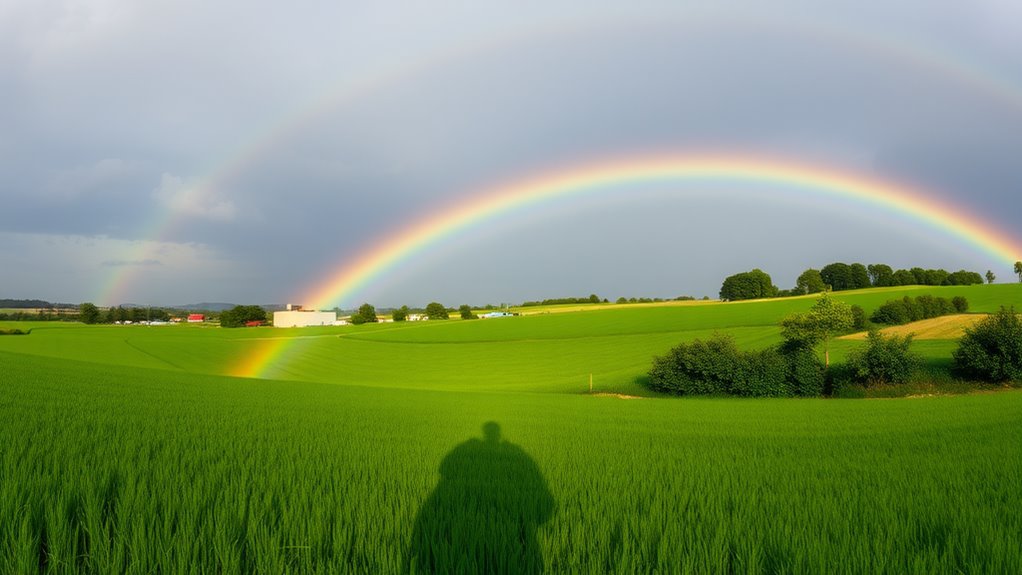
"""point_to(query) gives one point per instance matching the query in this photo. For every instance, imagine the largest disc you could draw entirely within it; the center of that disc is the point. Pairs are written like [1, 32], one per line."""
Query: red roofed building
[254, 323]
[196, 318]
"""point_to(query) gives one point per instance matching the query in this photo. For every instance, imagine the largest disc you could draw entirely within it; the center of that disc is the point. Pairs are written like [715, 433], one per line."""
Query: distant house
[196, 318]
[416, 317]
[495, 314]
[253, 323]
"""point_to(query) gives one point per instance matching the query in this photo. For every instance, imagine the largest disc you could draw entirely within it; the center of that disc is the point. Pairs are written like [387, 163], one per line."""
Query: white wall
[303, 318]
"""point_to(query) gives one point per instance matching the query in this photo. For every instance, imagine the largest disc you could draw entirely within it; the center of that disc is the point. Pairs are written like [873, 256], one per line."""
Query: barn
[196, 318]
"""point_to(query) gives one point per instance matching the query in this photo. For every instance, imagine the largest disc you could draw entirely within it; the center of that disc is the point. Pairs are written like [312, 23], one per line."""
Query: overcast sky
[170, 152]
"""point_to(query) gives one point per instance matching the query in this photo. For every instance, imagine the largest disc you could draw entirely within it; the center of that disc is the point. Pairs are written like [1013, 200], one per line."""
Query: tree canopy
[748, 285]
[809, 282]
[436, 310]
[366, 314]
[827, 318]
[240, 315]
[88, 313]
[400, 314]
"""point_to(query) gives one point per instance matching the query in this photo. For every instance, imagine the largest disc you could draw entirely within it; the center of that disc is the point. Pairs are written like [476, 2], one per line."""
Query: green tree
[826, 319]
[991, 350]
[466, 312]
[754, 284]
[88, 313]
[436, 310]
[400, 314]
[920, 275]
[366, 314]
[990, 276]
[837, 275]
[936, 277]
[880, 275]
[1018, 270]
[963, 278]
[809, 282]
[858, 277]
[240, 315]
[904, 278]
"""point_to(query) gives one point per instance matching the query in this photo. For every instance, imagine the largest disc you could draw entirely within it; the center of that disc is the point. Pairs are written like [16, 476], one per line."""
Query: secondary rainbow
[375, 263]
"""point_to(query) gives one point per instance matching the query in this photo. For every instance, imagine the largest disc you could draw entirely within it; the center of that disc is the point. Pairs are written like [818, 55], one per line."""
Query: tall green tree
[436, 310]
[990, 276]
[880, 275]
[88, 313]
[858, 277]
[366, 314]
[466, 312]
[400, 314]
[826, 319]
[753, 284]
[1018, 270]
[810, 281]
[837, 275]
[904, 278]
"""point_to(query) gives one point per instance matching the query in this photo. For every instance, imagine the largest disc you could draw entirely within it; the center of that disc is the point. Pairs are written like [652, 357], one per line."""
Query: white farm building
[295, 316]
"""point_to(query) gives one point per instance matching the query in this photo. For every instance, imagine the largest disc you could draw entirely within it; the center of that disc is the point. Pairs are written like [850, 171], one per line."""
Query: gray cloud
[286, 140]
[139, 263]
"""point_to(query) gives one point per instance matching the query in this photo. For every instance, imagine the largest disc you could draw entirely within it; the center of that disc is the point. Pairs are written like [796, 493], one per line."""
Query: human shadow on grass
[483, 515]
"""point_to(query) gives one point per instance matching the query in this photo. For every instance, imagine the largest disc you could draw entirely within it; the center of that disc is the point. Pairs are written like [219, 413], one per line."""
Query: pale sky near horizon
[171, 152]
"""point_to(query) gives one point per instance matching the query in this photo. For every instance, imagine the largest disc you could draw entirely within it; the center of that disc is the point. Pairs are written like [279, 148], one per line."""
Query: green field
[129, 449]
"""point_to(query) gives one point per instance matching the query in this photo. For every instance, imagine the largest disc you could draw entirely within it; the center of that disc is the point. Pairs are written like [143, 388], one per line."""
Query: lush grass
[118, 469]
[125, 451]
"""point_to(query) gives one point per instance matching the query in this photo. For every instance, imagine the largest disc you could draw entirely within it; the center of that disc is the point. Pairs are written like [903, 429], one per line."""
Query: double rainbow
[352, 277]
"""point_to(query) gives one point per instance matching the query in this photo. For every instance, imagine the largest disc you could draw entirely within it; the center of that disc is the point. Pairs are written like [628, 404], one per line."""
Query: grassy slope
[138, 455]
[123, 469]
[553, 352]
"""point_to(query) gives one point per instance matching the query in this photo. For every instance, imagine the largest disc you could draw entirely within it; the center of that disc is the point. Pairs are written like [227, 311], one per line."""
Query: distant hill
[33, 304]
[204, 306]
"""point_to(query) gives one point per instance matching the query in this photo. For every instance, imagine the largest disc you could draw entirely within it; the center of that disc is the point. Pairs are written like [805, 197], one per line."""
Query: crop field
[472, 446]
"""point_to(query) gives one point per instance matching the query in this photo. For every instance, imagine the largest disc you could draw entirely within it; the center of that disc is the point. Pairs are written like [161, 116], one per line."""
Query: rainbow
[352, 277]
[262, 139]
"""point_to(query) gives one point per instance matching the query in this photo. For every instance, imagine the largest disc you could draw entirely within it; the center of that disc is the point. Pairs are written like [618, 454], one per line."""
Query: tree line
[839, 276]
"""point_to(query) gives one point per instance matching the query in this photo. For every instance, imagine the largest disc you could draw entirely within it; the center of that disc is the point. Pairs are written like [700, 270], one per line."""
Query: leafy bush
[717, 367]
[992, 349]
[859, 321]
[698, 368]
[806, 374]
[884, 359]
[960, 303]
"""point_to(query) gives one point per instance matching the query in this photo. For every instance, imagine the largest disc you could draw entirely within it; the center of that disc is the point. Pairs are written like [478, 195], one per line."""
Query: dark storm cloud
[277, 140]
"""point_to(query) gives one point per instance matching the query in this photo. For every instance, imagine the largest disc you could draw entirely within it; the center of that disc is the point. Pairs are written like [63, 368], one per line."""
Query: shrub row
[990, 351]
[717, 367]
[907, 309]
